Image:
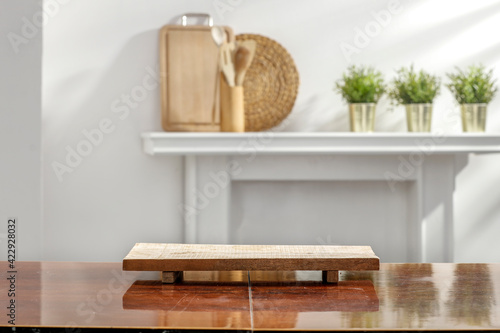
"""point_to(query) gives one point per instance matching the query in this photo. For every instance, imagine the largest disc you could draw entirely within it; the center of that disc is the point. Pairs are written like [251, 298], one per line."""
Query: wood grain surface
[189, 64]
[215, 257]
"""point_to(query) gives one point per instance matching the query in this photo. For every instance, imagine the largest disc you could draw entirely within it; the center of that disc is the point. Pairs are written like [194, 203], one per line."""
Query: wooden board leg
[330, 276]
[171, 277]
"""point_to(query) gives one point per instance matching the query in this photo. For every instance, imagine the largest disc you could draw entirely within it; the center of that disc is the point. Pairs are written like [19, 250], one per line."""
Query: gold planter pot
[362, 117]
[474, 117]
[419, 117]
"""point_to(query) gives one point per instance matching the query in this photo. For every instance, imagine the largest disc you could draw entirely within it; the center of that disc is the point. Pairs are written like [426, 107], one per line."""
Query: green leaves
[365, 85]
[472, 86]
[410, 87]
[361, 85]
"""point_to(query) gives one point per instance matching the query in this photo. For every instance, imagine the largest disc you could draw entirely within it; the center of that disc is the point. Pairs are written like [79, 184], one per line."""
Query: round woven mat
[271, 84]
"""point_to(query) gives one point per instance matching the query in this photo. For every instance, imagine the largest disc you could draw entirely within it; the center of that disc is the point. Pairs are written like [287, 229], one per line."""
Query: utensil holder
[232, 108]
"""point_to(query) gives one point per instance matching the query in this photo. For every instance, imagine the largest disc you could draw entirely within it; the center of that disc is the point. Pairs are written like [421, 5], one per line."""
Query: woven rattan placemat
[271, 84]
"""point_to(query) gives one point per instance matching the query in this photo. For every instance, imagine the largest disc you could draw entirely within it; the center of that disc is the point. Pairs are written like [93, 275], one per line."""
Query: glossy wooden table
[398, 297]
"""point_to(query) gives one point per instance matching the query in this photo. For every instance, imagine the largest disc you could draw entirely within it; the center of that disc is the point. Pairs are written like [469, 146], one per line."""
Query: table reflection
[281, 305]
[468, 304]
[413, 294]
[206, 303]
[360, 319]
[277, 299]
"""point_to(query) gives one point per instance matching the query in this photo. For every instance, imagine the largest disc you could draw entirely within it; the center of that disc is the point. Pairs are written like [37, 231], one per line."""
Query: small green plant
[410, 87]
[361, 85]
[476, 85]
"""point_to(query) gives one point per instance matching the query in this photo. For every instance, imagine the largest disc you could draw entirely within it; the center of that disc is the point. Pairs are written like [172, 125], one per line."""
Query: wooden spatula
[226, 62]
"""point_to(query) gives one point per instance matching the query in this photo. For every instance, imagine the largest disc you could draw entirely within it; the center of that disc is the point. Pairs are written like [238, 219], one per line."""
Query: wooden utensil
[243, 59]
[241, 64]
[219, 35]
[233, 68]
[226, 62]
[232, 108]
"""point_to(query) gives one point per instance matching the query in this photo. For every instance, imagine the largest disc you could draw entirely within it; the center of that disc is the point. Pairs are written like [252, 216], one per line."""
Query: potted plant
[473, 90]
[362, 88]
[415, 91]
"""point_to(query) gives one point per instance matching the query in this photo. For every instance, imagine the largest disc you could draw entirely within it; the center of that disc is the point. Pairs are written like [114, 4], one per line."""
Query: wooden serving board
[189, 64]
[173, 259]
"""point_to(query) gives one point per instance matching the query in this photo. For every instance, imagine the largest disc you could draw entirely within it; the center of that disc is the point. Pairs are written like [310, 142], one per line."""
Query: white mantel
[160, 143]
[427, 162]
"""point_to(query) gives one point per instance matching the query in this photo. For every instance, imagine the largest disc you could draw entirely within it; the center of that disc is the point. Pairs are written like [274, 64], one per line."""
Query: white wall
[20, 123]
[97, 52]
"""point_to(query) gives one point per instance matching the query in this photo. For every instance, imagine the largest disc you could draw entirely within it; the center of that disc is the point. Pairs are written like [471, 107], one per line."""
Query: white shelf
[290, 143]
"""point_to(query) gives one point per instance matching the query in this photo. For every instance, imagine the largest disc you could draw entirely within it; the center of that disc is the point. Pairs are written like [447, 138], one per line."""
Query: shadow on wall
[318, 113]
[323, 113]
[488, 55]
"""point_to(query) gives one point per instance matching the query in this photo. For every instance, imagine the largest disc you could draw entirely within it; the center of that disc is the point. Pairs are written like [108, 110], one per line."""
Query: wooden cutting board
[174, 258]
[189, 63]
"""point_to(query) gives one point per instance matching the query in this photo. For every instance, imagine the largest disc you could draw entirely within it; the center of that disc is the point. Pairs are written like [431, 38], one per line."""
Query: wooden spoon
[219, 35]
[242, 60]
[241, 64]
